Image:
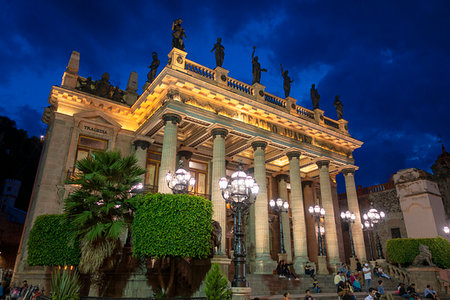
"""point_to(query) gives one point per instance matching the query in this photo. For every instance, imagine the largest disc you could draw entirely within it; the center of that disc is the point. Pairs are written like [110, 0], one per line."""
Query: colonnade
[263, 262]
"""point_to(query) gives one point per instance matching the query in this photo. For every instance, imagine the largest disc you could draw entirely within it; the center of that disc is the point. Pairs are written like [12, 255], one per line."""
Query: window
[87, 145]
[395, 233]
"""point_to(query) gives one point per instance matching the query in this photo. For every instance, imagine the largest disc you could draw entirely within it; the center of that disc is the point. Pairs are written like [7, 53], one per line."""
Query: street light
[318, 212]
[280, 206]
[371, 219]
[239, 193]
[182, 182]
[349, 218]
[447, 230]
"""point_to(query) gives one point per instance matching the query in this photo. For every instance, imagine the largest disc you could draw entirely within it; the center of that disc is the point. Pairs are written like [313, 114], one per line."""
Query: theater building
[212, 122]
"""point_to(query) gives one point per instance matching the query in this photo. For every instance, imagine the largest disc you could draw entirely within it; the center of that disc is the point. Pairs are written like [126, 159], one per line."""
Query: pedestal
[299, 264]
[322, 265]
[241, 293]
[264, 265]
[422, 276]
[223, 262]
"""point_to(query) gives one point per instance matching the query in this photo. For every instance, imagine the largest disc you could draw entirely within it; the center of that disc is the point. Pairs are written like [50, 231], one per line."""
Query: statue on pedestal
[339, 107]
[220, 52]
[424, 257]
[315, 97]
[153, 67]
[256, 68]
[216, 238]
[286, 82]
[103, 87]
[178, 34]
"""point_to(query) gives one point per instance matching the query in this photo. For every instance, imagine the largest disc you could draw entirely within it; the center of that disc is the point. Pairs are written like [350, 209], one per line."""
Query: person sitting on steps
[309, 270]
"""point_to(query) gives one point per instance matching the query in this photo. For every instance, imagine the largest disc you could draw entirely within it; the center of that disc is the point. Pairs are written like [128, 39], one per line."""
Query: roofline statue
[177, 34]
[219, 52]
[256, 68]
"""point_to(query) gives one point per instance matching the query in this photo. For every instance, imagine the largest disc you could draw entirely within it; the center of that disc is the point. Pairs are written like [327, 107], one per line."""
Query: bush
[403, 251]
[65, 286]
[216, 285]
[172, 225]
[51, 242]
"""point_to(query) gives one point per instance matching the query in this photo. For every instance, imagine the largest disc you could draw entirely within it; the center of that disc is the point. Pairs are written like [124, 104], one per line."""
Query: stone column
[331, 239]
[169, 150]
[282, 188]
[263, 262]
[353, 206]
[308, 199]
[298, 213]
[218, 171]
[140, 151]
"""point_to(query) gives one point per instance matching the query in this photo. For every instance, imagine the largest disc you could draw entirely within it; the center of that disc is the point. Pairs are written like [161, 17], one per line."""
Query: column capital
[141, 144]
[293, 154]
[284, 177]
[219, 131]
[259, 144]
[347, 171]
[323, 163]
[185, 153]
[307, 183]
[170, 117]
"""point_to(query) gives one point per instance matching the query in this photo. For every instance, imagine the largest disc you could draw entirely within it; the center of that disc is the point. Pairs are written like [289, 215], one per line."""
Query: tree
[172, 227]
[102, 209]
[216, 285]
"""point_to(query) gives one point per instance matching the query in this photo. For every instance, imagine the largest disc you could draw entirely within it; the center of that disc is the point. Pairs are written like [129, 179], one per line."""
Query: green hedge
[51, 242]
[403, 251]
[172, 225]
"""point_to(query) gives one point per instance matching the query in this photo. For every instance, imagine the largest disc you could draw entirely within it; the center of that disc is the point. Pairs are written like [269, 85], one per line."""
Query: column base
[335, 264]
[322, 267]
[241, 293]
[264, 265]
[299, 264]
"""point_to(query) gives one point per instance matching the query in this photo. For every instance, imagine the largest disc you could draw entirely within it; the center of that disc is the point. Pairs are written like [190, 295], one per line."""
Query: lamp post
[371, 219]
[447, 231]
[240, 193]
[318, 212]
[280, 206]
[349, 218]
[182, 182]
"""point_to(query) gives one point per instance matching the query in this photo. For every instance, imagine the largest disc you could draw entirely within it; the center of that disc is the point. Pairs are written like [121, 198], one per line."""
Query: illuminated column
[218, 171]
[140, 151]
[263, 261]
[331, 241]
[169, 150]
[282, 188]
[353, 206]
[298, 213]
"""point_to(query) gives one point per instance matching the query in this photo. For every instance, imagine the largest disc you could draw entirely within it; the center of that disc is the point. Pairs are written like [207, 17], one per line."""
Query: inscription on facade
[97, 130]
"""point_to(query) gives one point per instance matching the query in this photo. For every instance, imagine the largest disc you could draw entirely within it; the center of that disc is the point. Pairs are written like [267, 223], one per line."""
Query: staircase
[272, 287]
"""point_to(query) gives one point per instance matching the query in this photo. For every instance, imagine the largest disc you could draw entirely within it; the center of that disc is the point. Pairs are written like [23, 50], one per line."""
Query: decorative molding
[284, 177]
[185, 153]
[347, 171]
[323, 163]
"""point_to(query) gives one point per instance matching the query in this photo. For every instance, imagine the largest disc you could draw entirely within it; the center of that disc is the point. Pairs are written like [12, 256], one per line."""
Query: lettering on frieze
[94, 129]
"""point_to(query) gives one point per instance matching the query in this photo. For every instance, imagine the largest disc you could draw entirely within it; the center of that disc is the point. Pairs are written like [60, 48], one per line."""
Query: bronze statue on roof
[153, 68]
[286, 82]
[177, 34]
[315, 97]
[219, 53]
[339, 107]
[256, 68]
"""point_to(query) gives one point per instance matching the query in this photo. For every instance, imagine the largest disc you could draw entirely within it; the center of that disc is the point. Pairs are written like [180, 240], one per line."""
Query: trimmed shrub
[51, 242]
[403, 251]
[216, 285]
[172, 225]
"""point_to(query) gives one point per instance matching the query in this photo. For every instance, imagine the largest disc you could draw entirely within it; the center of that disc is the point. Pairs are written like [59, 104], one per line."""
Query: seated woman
[356, 285]
[382, 274]
[309, 270]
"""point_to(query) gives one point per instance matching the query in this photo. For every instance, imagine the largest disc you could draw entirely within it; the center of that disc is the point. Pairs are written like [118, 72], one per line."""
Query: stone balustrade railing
[304, 113]
[376, 188]
[399, 274]
[275, 100]
[331, 123]
[199, 69]
[444, 286]
[240, 86]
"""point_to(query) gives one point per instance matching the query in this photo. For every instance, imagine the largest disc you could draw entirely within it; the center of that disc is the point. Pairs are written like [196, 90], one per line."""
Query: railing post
[177, 60]
[221, 76]
[259, 92]
[290, 104]
[318, 116]
[343, 125]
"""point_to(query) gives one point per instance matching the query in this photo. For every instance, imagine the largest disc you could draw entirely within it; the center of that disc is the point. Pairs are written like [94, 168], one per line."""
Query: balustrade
[275, 100]
[304, 113]
[331, 123]
[240, 86]
[199, 69]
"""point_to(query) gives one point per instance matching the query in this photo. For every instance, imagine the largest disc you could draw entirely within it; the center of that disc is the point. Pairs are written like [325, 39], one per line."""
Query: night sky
[388, 60]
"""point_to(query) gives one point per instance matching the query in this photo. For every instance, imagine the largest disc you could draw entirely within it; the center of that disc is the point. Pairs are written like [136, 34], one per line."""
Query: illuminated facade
[212, 122]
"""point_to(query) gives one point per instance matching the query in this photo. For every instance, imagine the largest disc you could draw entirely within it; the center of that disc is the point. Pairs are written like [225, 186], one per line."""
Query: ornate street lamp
[318, 212]
[182, 182]
[239, 193]
[349, 218]
[371, 219]
[280, 206]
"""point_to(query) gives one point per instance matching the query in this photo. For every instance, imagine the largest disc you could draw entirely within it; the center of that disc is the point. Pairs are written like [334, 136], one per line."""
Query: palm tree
[101, 210]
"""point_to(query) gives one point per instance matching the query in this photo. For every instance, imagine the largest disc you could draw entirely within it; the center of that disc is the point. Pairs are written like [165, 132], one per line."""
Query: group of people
[285, 270]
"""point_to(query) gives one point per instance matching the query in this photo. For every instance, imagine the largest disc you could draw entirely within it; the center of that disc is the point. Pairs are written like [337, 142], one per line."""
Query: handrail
[444, 285]
[199, 69]
[304, 113]
[399, 274]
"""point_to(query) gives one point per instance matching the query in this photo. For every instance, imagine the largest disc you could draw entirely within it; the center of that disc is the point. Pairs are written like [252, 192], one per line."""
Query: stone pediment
[97, 117]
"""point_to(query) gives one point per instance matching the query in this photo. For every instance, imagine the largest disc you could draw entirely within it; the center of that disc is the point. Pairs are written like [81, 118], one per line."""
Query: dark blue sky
[388, 60]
